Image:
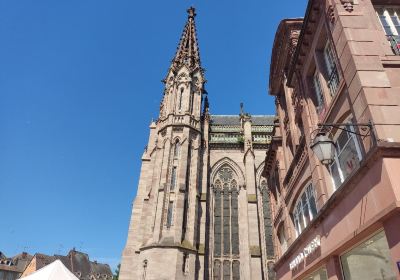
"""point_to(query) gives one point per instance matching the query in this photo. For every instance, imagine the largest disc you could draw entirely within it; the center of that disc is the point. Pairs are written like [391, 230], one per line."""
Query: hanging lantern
[324, 148]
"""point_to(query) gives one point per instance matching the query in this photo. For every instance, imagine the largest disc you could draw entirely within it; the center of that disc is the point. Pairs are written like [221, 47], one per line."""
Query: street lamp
[323, 145]
[324, 148]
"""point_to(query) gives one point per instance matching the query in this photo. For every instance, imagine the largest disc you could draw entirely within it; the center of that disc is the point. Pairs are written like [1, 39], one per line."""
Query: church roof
[235, 119]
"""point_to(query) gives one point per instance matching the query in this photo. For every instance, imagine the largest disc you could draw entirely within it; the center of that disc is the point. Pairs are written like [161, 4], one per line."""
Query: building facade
[337, 73]
[202, 207]
[12, 268]
[77, 262]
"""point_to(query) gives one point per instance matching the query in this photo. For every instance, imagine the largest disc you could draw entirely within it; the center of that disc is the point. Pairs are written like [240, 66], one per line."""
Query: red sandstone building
[339, 67]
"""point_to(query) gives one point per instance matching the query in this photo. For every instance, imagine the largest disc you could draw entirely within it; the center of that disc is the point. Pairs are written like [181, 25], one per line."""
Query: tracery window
[226, 226]
[305, 209]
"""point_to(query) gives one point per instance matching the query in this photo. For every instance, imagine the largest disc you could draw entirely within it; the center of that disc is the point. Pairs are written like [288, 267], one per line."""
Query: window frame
[388, 18]
[339, 150]
[318, 91]
[330, 62]
[298, 210]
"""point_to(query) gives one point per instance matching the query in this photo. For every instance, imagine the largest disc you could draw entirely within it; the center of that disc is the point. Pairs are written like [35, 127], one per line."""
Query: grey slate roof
[235, 119]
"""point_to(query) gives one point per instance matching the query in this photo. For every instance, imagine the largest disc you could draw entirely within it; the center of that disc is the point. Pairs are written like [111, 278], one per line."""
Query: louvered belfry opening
[226, 225]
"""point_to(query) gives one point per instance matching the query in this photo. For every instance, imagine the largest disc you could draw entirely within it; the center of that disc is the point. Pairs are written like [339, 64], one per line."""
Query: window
[305, 210]
[267, 219]
[169, 213]
[318, 91]
[282, 239]
[177, 149]
[347, 156]
[226, 224]
[180, 99]
[333, 75]
[389, 18]
[370, 260]
[173, 178]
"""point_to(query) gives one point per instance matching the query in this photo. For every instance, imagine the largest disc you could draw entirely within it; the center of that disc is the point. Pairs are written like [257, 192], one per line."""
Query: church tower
[200, 212]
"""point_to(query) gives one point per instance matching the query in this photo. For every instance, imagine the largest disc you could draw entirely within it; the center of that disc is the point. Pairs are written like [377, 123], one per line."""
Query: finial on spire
[191, 12]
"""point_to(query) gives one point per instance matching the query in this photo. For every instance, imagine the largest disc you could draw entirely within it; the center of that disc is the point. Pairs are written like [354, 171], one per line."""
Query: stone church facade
[202, 207]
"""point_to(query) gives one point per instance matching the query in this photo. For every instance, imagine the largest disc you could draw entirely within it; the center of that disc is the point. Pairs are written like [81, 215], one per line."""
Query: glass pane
[318, 89]
[217, 270]
[217, 224]
[169, 214]
[335, 175]
[348, 159]
[236, 270]
[173, 178]
[319, 275]
[311, 201]
[307, 217]
[370, 260]
[227, 270]
[342, 140]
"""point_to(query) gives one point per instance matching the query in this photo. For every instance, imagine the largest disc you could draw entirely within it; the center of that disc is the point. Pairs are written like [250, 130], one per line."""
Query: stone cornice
[283, 48]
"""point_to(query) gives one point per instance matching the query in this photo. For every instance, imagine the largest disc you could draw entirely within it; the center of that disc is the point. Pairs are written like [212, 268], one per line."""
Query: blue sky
[79, 85]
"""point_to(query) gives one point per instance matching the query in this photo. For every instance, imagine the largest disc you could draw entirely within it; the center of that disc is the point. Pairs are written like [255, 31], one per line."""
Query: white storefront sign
[309, 249]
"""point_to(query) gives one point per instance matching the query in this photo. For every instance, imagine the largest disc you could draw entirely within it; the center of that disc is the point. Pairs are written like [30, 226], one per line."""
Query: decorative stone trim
[348, 5]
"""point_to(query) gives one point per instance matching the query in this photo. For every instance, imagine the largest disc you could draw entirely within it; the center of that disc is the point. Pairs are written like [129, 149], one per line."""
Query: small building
[77, 262]
[12, 268]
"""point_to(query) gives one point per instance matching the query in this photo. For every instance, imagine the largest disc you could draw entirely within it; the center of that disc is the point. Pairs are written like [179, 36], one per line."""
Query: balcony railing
[333, 82]
[394, 41]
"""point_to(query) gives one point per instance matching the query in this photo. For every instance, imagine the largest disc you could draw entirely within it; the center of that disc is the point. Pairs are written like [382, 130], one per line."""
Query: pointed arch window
[177, 149]
[226, 225]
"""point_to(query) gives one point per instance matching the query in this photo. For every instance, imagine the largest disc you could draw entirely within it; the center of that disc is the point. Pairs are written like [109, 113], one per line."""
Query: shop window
[389, 18]
[333, 74]
[305, 210]
[321, 274]
[319, 95]
[370, 260]
[347, 156]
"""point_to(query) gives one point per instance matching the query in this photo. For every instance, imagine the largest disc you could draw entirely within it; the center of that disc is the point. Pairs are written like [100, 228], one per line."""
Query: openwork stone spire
[188, 49]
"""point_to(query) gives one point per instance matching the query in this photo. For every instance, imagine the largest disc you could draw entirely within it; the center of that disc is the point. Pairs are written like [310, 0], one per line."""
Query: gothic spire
[188, 49]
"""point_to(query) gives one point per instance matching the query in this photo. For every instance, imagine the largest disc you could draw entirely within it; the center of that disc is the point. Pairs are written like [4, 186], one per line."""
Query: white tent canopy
[54, 271]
